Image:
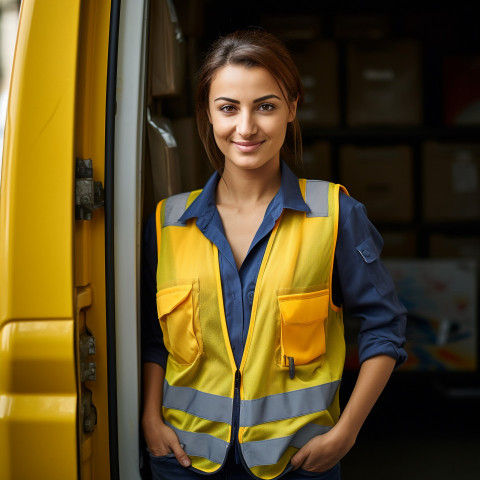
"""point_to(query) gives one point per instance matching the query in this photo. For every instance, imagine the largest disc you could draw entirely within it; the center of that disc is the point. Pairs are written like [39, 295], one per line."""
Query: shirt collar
[289, 196]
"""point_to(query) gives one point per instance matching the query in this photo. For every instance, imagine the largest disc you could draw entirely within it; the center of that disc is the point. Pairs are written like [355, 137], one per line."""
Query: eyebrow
[261, 99]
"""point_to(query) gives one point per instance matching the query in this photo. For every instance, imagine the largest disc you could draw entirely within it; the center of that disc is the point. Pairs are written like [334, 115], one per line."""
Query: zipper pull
[291, 367]
[237, 379]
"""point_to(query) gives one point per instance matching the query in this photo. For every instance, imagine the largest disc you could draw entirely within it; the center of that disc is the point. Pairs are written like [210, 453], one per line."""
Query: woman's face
[249, 115]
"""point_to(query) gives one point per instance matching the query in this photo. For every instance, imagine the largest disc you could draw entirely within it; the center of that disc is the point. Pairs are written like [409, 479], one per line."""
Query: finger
[180, 454]
[298, 459]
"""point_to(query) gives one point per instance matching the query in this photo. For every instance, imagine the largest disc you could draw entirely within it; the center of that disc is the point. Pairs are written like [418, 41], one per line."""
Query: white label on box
[464, 173]
[377, 75]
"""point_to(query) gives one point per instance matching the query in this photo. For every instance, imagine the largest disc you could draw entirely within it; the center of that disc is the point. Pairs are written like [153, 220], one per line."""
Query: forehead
[243, 81]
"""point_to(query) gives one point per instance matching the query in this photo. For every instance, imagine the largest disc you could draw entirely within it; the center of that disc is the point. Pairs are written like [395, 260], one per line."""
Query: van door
[54, 367]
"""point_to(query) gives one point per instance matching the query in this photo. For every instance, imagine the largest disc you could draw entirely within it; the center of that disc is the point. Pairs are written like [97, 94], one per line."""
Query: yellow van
[69, 242]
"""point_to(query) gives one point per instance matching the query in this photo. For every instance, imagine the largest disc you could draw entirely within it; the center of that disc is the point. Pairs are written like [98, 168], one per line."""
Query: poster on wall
[441, 297]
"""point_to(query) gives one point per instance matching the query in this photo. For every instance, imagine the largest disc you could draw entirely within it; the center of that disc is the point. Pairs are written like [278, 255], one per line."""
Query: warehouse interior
[391, 111]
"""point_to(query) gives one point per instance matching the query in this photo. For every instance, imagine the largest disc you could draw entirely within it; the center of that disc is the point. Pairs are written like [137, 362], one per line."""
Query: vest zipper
[291, 366]
[236, 412]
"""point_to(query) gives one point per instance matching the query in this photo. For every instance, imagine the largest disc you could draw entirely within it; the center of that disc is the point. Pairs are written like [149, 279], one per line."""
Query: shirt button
[366, 253]
[250, 295]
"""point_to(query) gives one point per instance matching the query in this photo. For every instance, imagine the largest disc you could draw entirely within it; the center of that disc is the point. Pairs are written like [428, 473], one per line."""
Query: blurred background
[391, 111]
[8, 31]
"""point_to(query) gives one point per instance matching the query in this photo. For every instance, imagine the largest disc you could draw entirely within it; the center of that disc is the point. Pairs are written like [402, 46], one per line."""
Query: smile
[247, 147]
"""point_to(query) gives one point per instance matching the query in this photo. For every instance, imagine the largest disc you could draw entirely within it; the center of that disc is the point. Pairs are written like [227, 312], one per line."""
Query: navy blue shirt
[360, 282]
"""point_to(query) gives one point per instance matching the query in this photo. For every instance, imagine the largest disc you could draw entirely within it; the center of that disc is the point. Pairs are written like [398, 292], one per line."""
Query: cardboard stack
[381, 178]
[451, 181]
[384, 83]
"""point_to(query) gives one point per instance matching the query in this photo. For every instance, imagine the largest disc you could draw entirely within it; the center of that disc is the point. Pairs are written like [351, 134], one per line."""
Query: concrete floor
[422, 428]
[413, 459]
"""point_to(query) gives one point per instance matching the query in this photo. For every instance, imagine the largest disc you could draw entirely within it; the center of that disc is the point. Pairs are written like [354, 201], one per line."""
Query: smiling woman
[243, 288]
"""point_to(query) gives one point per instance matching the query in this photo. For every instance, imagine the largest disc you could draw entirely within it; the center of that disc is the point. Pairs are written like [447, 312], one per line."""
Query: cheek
[221, 127]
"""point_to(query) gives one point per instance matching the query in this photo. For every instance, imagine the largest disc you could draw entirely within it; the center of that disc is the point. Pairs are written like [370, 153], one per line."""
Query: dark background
[426, 423]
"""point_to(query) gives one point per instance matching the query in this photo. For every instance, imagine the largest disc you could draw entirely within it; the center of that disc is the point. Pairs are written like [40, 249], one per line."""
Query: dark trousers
[167, 468]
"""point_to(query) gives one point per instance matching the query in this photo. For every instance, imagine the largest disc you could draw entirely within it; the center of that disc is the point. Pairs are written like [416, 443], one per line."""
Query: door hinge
[89, 195]
[88, 369]
[89, 412]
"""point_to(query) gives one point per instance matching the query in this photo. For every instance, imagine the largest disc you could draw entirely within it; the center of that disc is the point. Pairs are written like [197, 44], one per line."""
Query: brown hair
[250, 48]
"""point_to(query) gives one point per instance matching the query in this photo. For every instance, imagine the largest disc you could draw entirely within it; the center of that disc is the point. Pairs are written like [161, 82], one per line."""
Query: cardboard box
[461, 90]
[317, 63]
[381, 178]
[451, 181]
[317, 162]
[163, 155]
[166, 50]
[399, 244]
[293, 28]
[451, 246]
[361, 27]
[384, 83]
[194, 166]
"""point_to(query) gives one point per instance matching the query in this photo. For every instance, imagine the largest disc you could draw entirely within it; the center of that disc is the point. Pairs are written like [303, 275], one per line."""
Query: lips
[247, 147]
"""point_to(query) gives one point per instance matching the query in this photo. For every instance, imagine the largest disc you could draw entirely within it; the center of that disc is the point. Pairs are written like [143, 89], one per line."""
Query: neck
[245, 188]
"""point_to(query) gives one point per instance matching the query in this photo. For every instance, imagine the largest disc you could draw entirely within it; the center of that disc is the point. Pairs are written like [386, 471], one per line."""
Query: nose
[246, 126]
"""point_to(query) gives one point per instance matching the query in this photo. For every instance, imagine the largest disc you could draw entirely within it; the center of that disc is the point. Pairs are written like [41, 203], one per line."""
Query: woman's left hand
[323, 452]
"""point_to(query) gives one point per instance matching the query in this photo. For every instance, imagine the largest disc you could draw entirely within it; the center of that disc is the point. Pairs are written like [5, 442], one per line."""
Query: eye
[266, 107]
[227, 108]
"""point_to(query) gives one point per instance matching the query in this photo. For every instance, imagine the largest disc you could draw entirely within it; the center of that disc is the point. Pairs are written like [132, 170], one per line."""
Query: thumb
[298, 459]
[180, 454]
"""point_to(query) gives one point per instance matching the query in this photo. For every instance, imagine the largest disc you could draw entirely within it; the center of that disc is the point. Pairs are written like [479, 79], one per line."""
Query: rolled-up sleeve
[362, 284]
[153, 348]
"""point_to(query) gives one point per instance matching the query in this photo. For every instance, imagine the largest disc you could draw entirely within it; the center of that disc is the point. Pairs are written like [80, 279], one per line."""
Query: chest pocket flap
[303, 325]
[175, 306]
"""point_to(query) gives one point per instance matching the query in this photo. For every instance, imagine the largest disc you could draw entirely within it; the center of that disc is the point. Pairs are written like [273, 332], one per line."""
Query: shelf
[393, 134]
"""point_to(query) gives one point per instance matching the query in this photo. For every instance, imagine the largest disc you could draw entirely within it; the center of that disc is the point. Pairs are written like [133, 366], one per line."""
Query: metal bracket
[89, 195]
[89, 412]
[88, 369]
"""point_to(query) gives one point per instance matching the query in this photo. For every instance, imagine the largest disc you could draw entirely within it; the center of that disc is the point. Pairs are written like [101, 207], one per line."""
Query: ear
[292, 110]
[209, 116]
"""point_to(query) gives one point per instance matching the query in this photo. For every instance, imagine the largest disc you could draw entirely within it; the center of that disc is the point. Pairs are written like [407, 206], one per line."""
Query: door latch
[89, 195]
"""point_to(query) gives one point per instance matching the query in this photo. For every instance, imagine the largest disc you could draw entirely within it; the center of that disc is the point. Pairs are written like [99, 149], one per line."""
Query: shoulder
[172, 209]
[349, 206]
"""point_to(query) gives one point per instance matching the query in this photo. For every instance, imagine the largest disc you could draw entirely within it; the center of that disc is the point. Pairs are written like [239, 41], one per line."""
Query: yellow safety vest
[294, 354]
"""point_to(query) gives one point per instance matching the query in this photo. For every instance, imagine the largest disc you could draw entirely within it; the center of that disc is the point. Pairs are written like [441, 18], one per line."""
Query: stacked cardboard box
[167, 50]
[317, 63]
[451, 181]
[317, 161]
[461, 90]
[381, 178]
[163, 155]
[384, 83]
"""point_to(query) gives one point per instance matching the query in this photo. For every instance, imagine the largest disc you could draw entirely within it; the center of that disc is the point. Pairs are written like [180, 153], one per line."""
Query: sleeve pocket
[376, 271]
[175, 306]
[369, 250]
[303, 326]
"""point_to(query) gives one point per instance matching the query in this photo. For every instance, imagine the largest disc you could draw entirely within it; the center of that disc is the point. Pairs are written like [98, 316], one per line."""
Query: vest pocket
[303, 318]
[175, 306]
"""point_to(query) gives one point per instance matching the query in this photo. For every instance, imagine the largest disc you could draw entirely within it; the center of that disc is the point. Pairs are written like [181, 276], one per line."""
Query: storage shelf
[394, 134]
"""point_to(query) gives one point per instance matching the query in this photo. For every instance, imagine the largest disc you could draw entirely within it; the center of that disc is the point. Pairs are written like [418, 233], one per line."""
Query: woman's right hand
[162, 440]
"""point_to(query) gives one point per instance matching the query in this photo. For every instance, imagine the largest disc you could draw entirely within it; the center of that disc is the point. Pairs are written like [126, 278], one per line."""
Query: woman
[244, 349]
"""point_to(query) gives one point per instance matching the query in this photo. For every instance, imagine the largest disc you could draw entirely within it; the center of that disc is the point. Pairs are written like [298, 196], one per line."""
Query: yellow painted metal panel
[36, 410]
[90, 236]
[38, 390]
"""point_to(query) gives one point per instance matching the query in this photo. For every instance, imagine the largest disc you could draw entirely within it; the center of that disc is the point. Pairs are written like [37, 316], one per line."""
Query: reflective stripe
[287, 405]
[202, 445]
[316, 197]
[174, 208]
[201, 404]
[269, 452]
